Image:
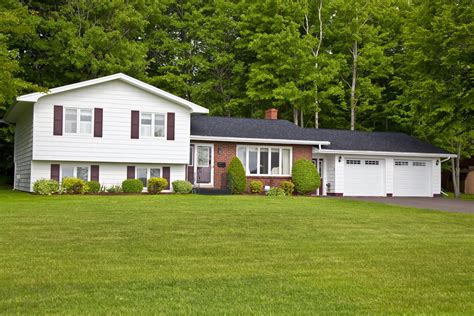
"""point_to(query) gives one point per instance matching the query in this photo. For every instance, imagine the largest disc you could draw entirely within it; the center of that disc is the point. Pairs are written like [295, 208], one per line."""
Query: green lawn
[230, 254]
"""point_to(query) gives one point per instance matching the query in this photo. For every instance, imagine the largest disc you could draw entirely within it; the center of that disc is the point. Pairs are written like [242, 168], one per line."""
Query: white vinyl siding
[109, 173]
[117, 99]
[23, 150]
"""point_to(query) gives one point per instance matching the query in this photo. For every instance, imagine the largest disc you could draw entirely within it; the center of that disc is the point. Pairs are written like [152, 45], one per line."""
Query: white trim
[152, 136]
[78, 121]
[258, 174]
[33, 97]
[259, 140]
[381, 153]
[211, 165]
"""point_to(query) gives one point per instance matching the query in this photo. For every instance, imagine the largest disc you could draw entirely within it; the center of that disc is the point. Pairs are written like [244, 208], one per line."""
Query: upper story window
[78, 121]
[262, 160]
[152, 124]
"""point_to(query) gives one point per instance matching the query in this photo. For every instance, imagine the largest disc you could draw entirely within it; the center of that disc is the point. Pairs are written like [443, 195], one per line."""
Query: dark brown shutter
[130, 172]
[58, 120]
[170, 127]
[95, 173]
[98, 120]
[55, 172]
[166, 175]
[135, 124]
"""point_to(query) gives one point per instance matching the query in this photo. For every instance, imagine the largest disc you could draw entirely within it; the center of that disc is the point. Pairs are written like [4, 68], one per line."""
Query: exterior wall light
[437, 161]
[340, 158]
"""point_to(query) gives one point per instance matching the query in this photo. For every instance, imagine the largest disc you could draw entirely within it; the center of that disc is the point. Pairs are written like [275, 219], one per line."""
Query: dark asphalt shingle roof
[282, 129]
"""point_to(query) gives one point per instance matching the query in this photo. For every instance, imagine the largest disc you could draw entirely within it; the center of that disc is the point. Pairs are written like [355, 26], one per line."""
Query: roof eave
[259, 140]
[383, 153]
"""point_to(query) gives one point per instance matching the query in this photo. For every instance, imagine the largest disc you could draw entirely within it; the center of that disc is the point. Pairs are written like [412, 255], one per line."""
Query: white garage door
[364, 177]
[412, 178]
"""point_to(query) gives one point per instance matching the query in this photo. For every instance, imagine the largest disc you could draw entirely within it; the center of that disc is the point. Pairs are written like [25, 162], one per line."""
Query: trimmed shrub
[46, 187]
[288, 187]
[73, 186]
[276, 191]
[305, 176]
[182, 186]
[156, 185]
[256, 186]
[92, 187]
[114, 189]
[236, 181]
[132, 186]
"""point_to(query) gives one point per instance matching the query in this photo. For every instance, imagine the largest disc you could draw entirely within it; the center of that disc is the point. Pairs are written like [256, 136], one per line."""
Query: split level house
[116, 127]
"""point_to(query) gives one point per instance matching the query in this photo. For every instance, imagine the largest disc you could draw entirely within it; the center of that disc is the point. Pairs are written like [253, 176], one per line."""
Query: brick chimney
[271, 114]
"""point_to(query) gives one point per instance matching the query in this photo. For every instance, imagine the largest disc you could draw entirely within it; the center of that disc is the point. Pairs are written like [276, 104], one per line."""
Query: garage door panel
[412, 178]
[364, 177]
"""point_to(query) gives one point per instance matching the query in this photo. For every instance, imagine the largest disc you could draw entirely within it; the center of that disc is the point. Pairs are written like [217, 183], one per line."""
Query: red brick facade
[224, 152]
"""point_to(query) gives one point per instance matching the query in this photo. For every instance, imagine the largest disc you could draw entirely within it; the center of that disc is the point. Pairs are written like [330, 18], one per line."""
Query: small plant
[236, 182]
[182, 186]
[132, 186]
[288, 187]
[46, 187]
[256, 186]
[276, 191]
[92, 187]
[114, 189]
[305, 176]
[73, 186]
[156, 185]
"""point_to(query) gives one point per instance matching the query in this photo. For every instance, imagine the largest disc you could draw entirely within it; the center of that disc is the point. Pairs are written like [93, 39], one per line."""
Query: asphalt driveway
[442, 204]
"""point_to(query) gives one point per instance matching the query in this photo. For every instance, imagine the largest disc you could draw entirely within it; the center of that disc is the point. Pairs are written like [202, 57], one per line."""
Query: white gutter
[258, 140]
[381, 153]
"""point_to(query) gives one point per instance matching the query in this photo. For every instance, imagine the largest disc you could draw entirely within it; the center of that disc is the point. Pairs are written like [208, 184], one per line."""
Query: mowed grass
[230, 255]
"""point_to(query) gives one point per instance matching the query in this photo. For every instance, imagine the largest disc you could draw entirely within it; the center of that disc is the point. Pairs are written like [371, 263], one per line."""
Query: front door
[203, 164]
[319, 163]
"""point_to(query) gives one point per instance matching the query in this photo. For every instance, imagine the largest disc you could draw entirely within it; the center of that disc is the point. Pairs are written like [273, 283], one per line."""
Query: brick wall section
[224, 152]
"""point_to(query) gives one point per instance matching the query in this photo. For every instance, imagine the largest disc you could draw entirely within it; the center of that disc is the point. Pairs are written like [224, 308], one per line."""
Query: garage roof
[230, 127]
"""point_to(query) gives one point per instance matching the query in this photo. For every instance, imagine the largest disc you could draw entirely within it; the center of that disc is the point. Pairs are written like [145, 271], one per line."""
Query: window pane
[155, 173]
[83, 173]
[253, 152]
[67, 172]
[86, 122]
[242, 155]
[159, 125]
[71, 121]
[263, 160]
[275, 161]
[141, 175]
[285, 161]
[203, 156]
[145, 124]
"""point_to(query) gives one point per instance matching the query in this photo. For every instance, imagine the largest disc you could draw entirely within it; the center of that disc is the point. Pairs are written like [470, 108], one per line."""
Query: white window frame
[74, 172]
[165, 130]
[147, 172]
[78, 121]
[269, 174]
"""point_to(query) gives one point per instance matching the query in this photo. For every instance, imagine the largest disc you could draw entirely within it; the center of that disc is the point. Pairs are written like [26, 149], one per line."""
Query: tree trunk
[301, 118]
[295, 116]
[457, 173]
[354, 84]
[316, 119]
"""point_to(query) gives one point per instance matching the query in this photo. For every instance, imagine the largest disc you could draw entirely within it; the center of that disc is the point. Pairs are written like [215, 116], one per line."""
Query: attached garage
[364, 177]
[412, 178]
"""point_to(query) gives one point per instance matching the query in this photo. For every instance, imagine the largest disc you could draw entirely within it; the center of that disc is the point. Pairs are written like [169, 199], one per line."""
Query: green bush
[156, 185]
[92, 187]
[46, 187]
[288, 187]
[73, 186]
[114, 189]
[132, 186]
[305, 176]
[256, 186]
[236, 181]
[182, 186]
[276, 191]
